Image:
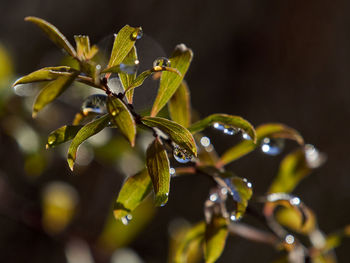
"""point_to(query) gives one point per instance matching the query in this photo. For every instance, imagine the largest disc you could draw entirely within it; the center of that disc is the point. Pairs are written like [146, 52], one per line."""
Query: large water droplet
[126, 219]
[181, 155]
[137, 34]
[95, 103]
[272, 146]
[161, 62]
[313, 157]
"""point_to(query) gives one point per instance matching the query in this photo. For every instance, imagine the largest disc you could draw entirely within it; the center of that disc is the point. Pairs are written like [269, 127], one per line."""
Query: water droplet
[224, 191]
[137, 34]
[172, 171]
[289, 239]
[129, 68]
[233, 217]
[126, 219]
[229, 131]
[313, 157]
[181, 155]
[246, 136]
[249, 184]
[295, 201]
[214, 197]
[161, 62]
[205, 141]
[95, 103]
[272, 146]
[114, 113]
[219, 126]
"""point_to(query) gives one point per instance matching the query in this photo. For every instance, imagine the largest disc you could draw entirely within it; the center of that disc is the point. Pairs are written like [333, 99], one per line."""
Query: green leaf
[83, 134]
[295, 221]
[270, 130]
[159, 170]
[123, 43]
[61, 135]
[53, 33]
[127, 79]
[122, 117]
[194, 235]
[52, 90]
[215, 238]
[180, 105]
[180, 59]
[135, 189]
[45, 74]
[292, 170]
[178, 134]
[242, 192]
[231, 121]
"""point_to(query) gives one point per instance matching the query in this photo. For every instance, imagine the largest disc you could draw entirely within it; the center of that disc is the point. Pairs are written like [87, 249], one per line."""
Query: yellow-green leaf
[159, 170]
[194, 235]
[122, 118]
[169, 82]
[231, 121]
[125, 78]
[83, 134]
[52, 90]
[61, 135]
[180, 105]
[45, 74]
[270, 130]
[292, 170]
[53, 33]
[215, 238]
[293, 219]
[135, 189]
[123, 43]
[83, 46]
[177, 133]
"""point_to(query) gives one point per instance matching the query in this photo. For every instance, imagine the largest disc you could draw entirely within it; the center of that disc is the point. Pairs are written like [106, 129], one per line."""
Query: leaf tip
[70, 163]
[161, 199]
[34, 114]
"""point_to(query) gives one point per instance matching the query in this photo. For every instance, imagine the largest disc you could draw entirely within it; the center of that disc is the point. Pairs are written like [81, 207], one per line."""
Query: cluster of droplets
[96, 103]
[161, 62]
[229, 130]
[181, 155]
[272, 146]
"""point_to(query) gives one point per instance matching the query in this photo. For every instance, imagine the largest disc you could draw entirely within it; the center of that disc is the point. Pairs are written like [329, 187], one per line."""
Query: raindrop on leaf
[137, 34]
[181, 155]
[161, 62]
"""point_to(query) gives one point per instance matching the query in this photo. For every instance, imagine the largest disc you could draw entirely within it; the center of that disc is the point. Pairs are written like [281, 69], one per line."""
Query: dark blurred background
[268, 61]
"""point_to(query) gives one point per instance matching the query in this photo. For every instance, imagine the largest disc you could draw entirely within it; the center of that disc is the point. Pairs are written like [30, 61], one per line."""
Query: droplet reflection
[95, 103]
[272, 146]
[161, 62]
[181, 155]
[289, 239]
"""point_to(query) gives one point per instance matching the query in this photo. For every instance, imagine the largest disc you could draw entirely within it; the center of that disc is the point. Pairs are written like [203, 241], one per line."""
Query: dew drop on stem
[126, 219]
[137, 34]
